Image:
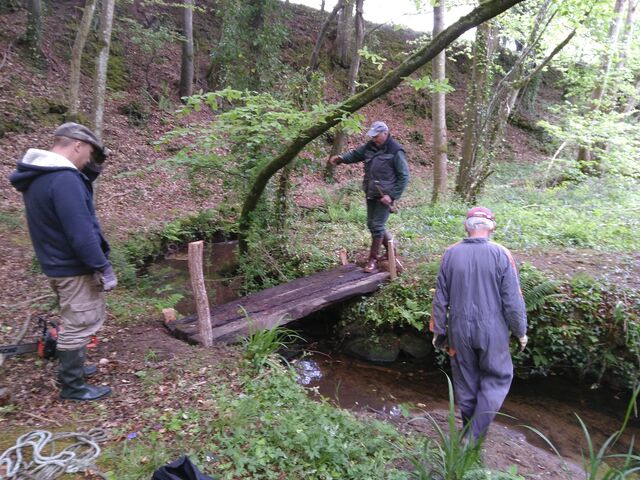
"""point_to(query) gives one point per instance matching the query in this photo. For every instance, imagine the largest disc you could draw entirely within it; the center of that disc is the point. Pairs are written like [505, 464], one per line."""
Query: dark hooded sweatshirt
[64, 229]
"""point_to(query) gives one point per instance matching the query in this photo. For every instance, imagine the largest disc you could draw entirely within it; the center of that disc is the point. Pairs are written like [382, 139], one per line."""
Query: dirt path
[622, 269]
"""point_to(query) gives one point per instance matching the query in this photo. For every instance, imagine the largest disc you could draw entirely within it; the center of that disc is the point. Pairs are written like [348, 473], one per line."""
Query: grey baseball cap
[376, 128]
[82, 133]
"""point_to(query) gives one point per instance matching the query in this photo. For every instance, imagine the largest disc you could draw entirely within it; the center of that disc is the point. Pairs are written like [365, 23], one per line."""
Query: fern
[536, 288]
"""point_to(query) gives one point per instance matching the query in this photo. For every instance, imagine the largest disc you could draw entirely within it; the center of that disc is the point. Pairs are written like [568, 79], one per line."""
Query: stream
[549, 404]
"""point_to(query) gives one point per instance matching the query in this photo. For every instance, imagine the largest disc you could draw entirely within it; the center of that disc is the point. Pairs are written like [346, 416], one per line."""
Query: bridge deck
[282, 304]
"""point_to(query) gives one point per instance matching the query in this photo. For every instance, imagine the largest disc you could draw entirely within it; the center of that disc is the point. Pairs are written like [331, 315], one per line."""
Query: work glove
[523, 342]
[440, 342]
[108, 279]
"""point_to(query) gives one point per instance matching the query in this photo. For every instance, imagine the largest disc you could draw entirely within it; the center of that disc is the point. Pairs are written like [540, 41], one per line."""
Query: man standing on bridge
[386, 175]
[476, 305]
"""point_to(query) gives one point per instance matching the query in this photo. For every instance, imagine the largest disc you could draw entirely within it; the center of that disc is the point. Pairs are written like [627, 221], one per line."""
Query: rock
[418, 346]
[5, 396]
[103, 361]
[384, 348]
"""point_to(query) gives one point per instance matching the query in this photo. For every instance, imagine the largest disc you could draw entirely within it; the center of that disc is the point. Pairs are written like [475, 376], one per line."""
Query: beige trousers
[82, 308]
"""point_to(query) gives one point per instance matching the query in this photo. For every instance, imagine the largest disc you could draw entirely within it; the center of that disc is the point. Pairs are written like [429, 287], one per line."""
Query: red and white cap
[482, 212]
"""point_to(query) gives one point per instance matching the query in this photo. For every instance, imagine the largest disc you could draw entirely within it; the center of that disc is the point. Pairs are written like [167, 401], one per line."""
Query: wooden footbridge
[279, 305]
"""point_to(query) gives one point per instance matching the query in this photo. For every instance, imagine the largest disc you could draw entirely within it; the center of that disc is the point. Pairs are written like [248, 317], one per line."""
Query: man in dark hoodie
[68, 241]
[386, 175]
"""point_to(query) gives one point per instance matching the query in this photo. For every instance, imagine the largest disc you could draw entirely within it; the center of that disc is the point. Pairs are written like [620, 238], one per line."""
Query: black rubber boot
[89, 370]
[71, 378]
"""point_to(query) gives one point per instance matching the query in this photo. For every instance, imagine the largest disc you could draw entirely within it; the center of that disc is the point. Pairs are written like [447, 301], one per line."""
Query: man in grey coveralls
[477, 304]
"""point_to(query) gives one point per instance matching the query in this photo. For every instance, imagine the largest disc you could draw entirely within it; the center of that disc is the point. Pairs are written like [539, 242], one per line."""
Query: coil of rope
[77, 457]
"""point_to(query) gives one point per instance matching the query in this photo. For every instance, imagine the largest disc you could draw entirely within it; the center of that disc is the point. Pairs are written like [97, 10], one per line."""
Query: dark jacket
[385, 168]
[64, 229]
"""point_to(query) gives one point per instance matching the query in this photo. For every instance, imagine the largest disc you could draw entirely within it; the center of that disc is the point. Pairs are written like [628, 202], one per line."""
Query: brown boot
[372, 263]
[385, 241]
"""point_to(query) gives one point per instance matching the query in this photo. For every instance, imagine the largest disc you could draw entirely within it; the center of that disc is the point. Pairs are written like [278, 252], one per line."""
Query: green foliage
[374, 58]
[536, 288]
[152, 42]
[140, 248]
[613, 141]
[275, 430]
[589, 330]
[242, 138]
[276, 258]
[248, 54]
[135, 459]
[451, 456]
[431, 86]
[598, 213]
[405, 302]
[261, 344]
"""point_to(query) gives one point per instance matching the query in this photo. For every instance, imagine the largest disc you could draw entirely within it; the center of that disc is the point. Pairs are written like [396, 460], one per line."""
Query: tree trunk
[256, 25]
[33, 35]
[322, 6]
[315, 55]
[475, 112]
[186, 72]
[439, 113]
[76, 58]
[339, 140]
[282, 199]
[343, 37]
[102, 64]
[585, 156]
[392, 79]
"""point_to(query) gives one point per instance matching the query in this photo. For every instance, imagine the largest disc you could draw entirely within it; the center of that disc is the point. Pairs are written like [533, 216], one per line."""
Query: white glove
[523, 342]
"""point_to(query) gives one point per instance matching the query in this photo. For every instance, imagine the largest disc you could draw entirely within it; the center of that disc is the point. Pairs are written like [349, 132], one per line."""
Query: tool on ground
[393, 208]
[45, 346]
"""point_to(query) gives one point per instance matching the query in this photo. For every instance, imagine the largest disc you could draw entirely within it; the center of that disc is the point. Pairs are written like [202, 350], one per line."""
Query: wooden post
[343, 256]
[200, 292]
[391, 250]
[169, 315]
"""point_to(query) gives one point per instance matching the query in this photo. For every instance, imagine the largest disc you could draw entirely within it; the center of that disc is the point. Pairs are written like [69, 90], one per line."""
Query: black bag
[180, 469]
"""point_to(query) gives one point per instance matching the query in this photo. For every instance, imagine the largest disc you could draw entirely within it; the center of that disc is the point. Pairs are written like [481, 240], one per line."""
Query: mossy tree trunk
[33, 35]
[76, 58]
[315, 54]
[392, 79]
[102, 64]
[340, 137]
[489, 110]
[471, 172]
[438, 115]
[343, 38]
[186, 70]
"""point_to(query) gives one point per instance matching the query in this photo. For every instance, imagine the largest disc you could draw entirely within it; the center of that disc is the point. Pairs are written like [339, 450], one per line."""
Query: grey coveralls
[476, 303]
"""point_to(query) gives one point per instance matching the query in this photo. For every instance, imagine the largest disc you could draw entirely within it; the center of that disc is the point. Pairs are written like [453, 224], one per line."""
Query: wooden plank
[281, 304]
